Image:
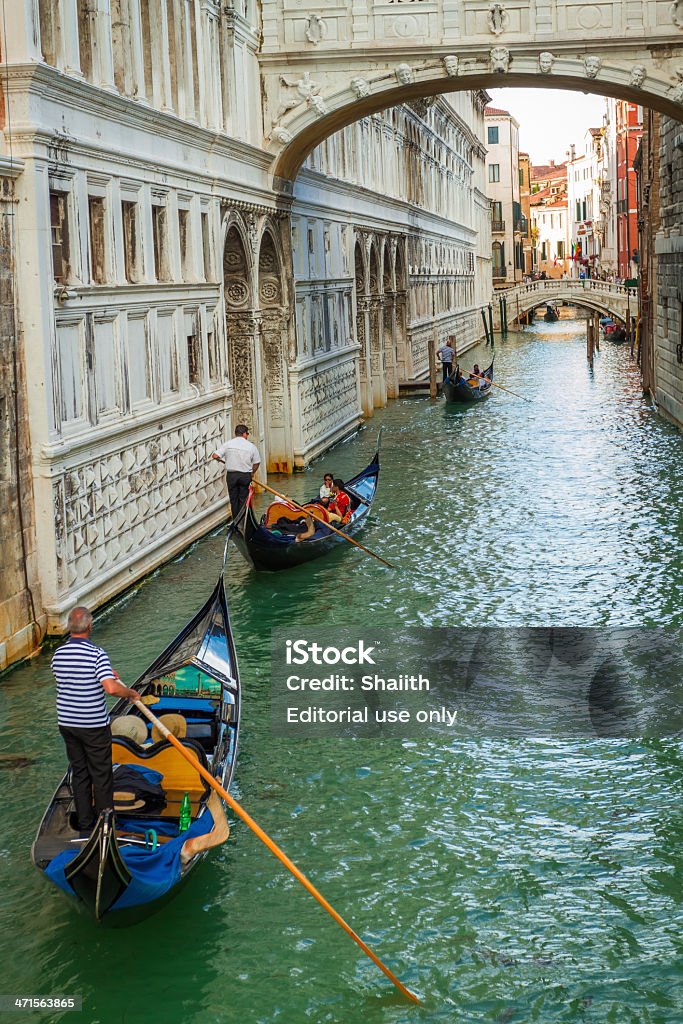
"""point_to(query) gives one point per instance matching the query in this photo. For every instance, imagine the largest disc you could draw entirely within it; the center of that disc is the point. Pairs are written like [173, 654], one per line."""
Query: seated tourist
[340, 503]
[326, 489]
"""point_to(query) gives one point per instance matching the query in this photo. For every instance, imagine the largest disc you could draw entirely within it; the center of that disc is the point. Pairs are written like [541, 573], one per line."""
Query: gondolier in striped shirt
[84, 675]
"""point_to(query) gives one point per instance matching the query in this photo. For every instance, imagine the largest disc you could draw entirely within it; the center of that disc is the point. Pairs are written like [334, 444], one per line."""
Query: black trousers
[447, 367]
[92, 780]
[238, 489]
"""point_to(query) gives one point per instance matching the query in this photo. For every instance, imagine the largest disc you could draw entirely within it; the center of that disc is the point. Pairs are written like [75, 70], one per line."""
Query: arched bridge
[325, 65]
[601, 296]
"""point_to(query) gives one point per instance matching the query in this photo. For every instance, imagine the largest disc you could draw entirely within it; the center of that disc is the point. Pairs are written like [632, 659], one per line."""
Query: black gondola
[269, 548]
[457, 388]
[551, 315]
[134, 858]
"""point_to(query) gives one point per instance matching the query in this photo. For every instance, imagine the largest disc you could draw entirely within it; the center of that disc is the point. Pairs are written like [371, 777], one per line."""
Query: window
[194, 363]
[492, 135]
[59, 230]
[544, 251]
[560, 250]
[183, 232]
[578, 210]
[583, 209]
[96, 225]
[159, 239]
[213, 355]
[521, 175]
[206, 246]
[129, 215]
[497, 211]
[494, 172]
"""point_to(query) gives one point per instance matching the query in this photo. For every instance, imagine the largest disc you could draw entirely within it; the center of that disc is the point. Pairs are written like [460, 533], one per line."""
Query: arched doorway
[274, 323]
[377, 365]
[389, 319]
[404, 364]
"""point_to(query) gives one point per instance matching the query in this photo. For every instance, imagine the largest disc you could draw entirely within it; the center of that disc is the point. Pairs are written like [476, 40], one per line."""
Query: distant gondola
[132, 860]
[457, 388]
[551, 314]
[269, 545]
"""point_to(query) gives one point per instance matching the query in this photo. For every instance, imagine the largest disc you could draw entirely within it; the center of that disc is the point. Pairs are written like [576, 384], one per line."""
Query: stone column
[363, 339]
[391, 345]
[22, 43]
[137, 57]
[68, 54]
[103, 54]
[379, 384]
[404, 367]
[242, 330]
[274, 332]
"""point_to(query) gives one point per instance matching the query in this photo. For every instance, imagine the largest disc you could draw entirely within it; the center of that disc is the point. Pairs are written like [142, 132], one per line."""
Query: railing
[522, 225]
[498, 226]
[571, 284]
[500, 273]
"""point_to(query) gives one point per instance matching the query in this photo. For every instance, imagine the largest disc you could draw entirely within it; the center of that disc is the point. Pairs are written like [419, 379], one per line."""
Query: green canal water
[534, 880]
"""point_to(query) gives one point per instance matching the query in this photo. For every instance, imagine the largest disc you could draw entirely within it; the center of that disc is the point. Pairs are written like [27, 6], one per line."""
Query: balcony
[522, 226]
[498, 227]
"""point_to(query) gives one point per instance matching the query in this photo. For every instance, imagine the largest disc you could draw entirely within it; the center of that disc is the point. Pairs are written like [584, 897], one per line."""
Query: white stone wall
[669, 263]
[391, 249]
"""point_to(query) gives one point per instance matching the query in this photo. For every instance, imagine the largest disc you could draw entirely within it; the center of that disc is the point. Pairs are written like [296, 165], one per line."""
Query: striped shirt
[79, 668]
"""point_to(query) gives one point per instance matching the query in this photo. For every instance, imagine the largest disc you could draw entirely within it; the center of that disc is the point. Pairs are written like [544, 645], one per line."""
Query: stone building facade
[166, 290]
[666, 283]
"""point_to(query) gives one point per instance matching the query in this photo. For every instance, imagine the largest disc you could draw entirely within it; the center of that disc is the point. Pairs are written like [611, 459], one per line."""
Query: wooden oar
[309, 512]
[273, 847]
[479, 377]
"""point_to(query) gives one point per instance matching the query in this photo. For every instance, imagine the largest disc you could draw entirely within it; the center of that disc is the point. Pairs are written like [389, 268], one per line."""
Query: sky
[550, 119]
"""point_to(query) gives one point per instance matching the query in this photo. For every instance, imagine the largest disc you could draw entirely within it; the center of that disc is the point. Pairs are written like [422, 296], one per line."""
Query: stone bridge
[326, 64]
[601, 296]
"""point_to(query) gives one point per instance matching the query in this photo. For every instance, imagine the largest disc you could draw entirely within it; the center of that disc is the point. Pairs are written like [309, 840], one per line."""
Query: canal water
[538, 879]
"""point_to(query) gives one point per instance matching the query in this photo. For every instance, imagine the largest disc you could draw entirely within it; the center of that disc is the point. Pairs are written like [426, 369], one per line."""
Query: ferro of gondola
[274, 848]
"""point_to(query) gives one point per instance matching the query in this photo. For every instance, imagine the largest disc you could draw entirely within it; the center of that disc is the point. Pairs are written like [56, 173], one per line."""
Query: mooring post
[589, 343]
[505, 312]
[596, 332]
[491, 322]
[432, 365]
[486, 327]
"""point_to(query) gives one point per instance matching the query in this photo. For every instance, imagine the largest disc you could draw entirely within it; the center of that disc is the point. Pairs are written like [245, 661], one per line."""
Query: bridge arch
[324, 101]
[596, 296]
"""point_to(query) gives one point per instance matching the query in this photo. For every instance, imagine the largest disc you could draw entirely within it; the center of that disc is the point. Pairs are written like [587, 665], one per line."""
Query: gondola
[268, 545]
[551, 314]
[457, 388]
[136, 856]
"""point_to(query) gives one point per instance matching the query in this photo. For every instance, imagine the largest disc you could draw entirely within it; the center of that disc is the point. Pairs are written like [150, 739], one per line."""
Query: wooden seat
[179, 776]
[278, 510]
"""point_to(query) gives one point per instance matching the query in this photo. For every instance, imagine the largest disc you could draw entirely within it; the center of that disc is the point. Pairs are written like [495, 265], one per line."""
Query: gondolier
[83, 674]
[242, 461]
[447, 356]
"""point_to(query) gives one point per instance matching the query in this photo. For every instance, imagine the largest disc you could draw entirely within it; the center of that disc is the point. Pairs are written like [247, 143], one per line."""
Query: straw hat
[129, 726]
[175, 724]
[124, 800]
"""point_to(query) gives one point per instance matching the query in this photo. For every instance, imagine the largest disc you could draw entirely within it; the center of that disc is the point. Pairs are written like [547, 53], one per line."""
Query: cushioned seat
[178, 775]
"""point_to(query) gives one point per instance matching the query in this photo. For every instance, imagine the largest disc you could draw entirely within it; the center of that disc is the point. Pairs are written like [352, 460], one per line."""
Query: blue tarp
[153, 873]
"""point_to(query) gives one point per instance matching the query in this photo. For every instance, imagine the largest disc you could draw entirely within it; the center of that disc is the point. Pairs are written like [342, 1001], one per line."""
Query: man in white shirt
[242, 461]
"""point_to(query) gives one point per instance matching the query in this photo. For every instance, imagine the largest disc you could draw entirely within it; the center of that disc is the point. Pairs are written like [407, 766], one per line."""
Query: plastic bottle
[185, 813]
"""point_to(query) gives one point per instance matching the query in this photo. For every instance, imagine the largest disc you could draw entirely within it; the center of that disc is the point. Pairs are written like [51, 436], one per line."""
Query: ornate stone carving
[638, 75]
[271, 334]
[452, 65]
[592, 64]
[237, 293]
[676, 13]
[500, 58]
[498, 19]
[404, 74]
[360, 87]
[281, 135]
[677, 93]
[326, 398]
[316, 29]
[545, 62]
[305, 91]
[117, 505]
